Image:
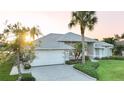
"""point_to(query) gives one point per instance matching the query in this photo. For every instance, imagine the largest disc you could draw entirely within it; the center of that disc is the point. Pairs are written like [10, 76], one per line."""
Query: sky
[109, 23]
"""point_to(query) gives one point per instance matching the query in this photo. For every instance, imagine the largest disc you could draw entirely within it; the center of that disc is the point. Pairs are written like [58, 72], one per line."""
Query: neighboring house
[58, 48]
[121, 43]
[102, 49]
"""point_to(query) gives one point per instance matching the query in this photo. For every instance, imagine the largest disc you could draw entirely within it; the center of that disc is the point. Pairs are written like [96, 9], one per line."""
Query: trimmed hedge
[88, 68]
[74, 61]
[113, 58]
[28, 77]
[27, 66]
[87, 58]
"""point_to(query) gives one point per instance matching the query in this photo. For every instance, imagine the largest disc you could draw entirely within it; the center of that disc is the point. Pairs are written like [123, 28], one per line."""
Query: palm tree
[34, 31]
[19, 44]
[78, 50]
[86, 19]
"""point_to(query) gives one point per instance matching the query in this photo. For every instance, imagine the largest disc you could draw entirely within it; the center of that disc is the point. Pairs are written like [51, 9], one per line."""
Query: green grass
[110, 70]
[5, 68]
[107, 70]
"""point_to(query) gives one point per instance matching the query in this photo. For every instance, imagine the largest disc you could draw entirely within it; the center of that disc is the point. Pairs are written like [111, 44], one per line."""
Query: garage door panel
[49, 58]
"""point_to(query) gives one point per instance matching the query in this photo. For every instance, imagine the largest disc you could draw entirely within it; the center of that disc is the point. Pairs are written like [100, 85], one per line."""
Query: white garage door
[48, 57]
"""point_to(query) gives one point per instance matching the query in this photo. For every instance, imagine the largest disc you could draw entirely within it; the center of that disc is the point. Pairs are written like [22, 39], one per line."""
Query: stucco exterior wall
[90, 49]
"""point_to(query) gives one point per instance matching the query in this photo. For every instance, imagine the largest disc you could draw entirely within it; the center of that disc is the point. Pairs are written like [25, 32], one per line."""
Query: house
[102, 49]
[121, 43]
[58, 48]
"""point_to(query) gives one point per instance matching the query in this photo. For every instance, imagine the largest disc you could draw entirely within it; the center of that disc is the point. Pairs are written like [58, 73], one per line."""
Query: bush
[88, 68]
[70, 62]
[97, 58]
[114, 58]
[118, 49]
[87, 58]
[27, 66]
[28, 77]
[74, 61]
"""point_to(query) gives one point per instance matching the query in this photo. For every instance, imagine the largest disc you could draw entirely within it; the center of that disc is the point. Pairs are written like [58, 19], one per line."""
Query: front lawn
[5, 68]
[111, 70]
[106, 70]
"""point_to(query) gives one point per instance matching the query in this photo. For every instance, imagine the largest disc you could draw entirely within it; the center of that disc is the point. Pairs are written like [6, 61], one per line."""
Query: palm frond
[35, 32]
[91, 22]
[71, 24]
[74, 21]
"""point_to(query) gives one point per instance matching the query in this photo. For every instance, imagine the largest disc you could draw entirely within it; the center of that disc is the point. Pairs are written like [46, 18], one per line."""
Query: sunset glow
[28, 38]
[109, 22]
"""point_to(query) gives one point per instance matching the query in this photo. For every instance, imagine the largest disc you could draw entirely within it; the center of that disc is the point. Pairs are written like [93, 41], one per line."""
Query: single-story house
[58, 48]
[120, 43]
[102, 49]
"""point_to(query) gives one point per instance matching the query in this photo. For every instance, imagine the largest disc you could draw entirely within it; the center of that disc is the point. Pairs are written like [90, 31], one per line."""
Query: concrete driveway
[59, 73]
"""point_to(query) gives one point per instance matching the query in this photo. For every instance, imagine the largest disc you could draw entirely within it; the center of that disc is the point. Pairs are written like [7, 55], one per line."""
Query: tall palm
[86, 19]
[19, 43]
[16, 45]
[34, 31]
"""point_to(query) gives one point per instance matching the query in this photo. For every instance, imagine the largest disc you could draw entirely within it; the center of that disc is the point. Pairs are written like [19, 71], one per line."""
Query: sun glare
[28, 38]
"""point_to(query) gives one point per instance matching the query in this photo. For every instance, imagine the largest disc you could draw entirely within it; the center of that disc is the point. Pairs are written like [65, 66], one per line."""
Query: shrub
[74, 61]
[118, 49]
[88, 68]
[114, 58]
[97, 58]
[87, 58]
[27, 66]
[28, 77]
[70, 62]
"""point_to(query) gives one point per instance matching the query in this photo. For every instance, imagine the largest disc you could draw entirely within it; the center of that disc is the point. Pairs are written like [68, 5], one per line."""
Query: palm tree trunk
[18, 57]
[83, 49]
[18, 66]
[83, 46]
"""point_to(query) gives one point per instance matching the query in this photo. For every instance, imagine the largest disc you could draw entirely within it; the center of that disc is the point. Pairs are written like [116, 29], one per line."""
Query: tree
[34, 32]
[78, 50]
[122, 36]
[2, 38]
[85, 19]
[19, 44]
[110, 40]
[117, 37]
[118, 50]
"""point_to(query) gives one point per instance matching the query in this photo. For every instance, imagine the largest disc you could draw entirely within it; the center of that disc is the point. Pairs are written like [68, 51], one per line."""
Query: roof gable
[104, 44]
[74, 38]
[50, 42]
[56, 41]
